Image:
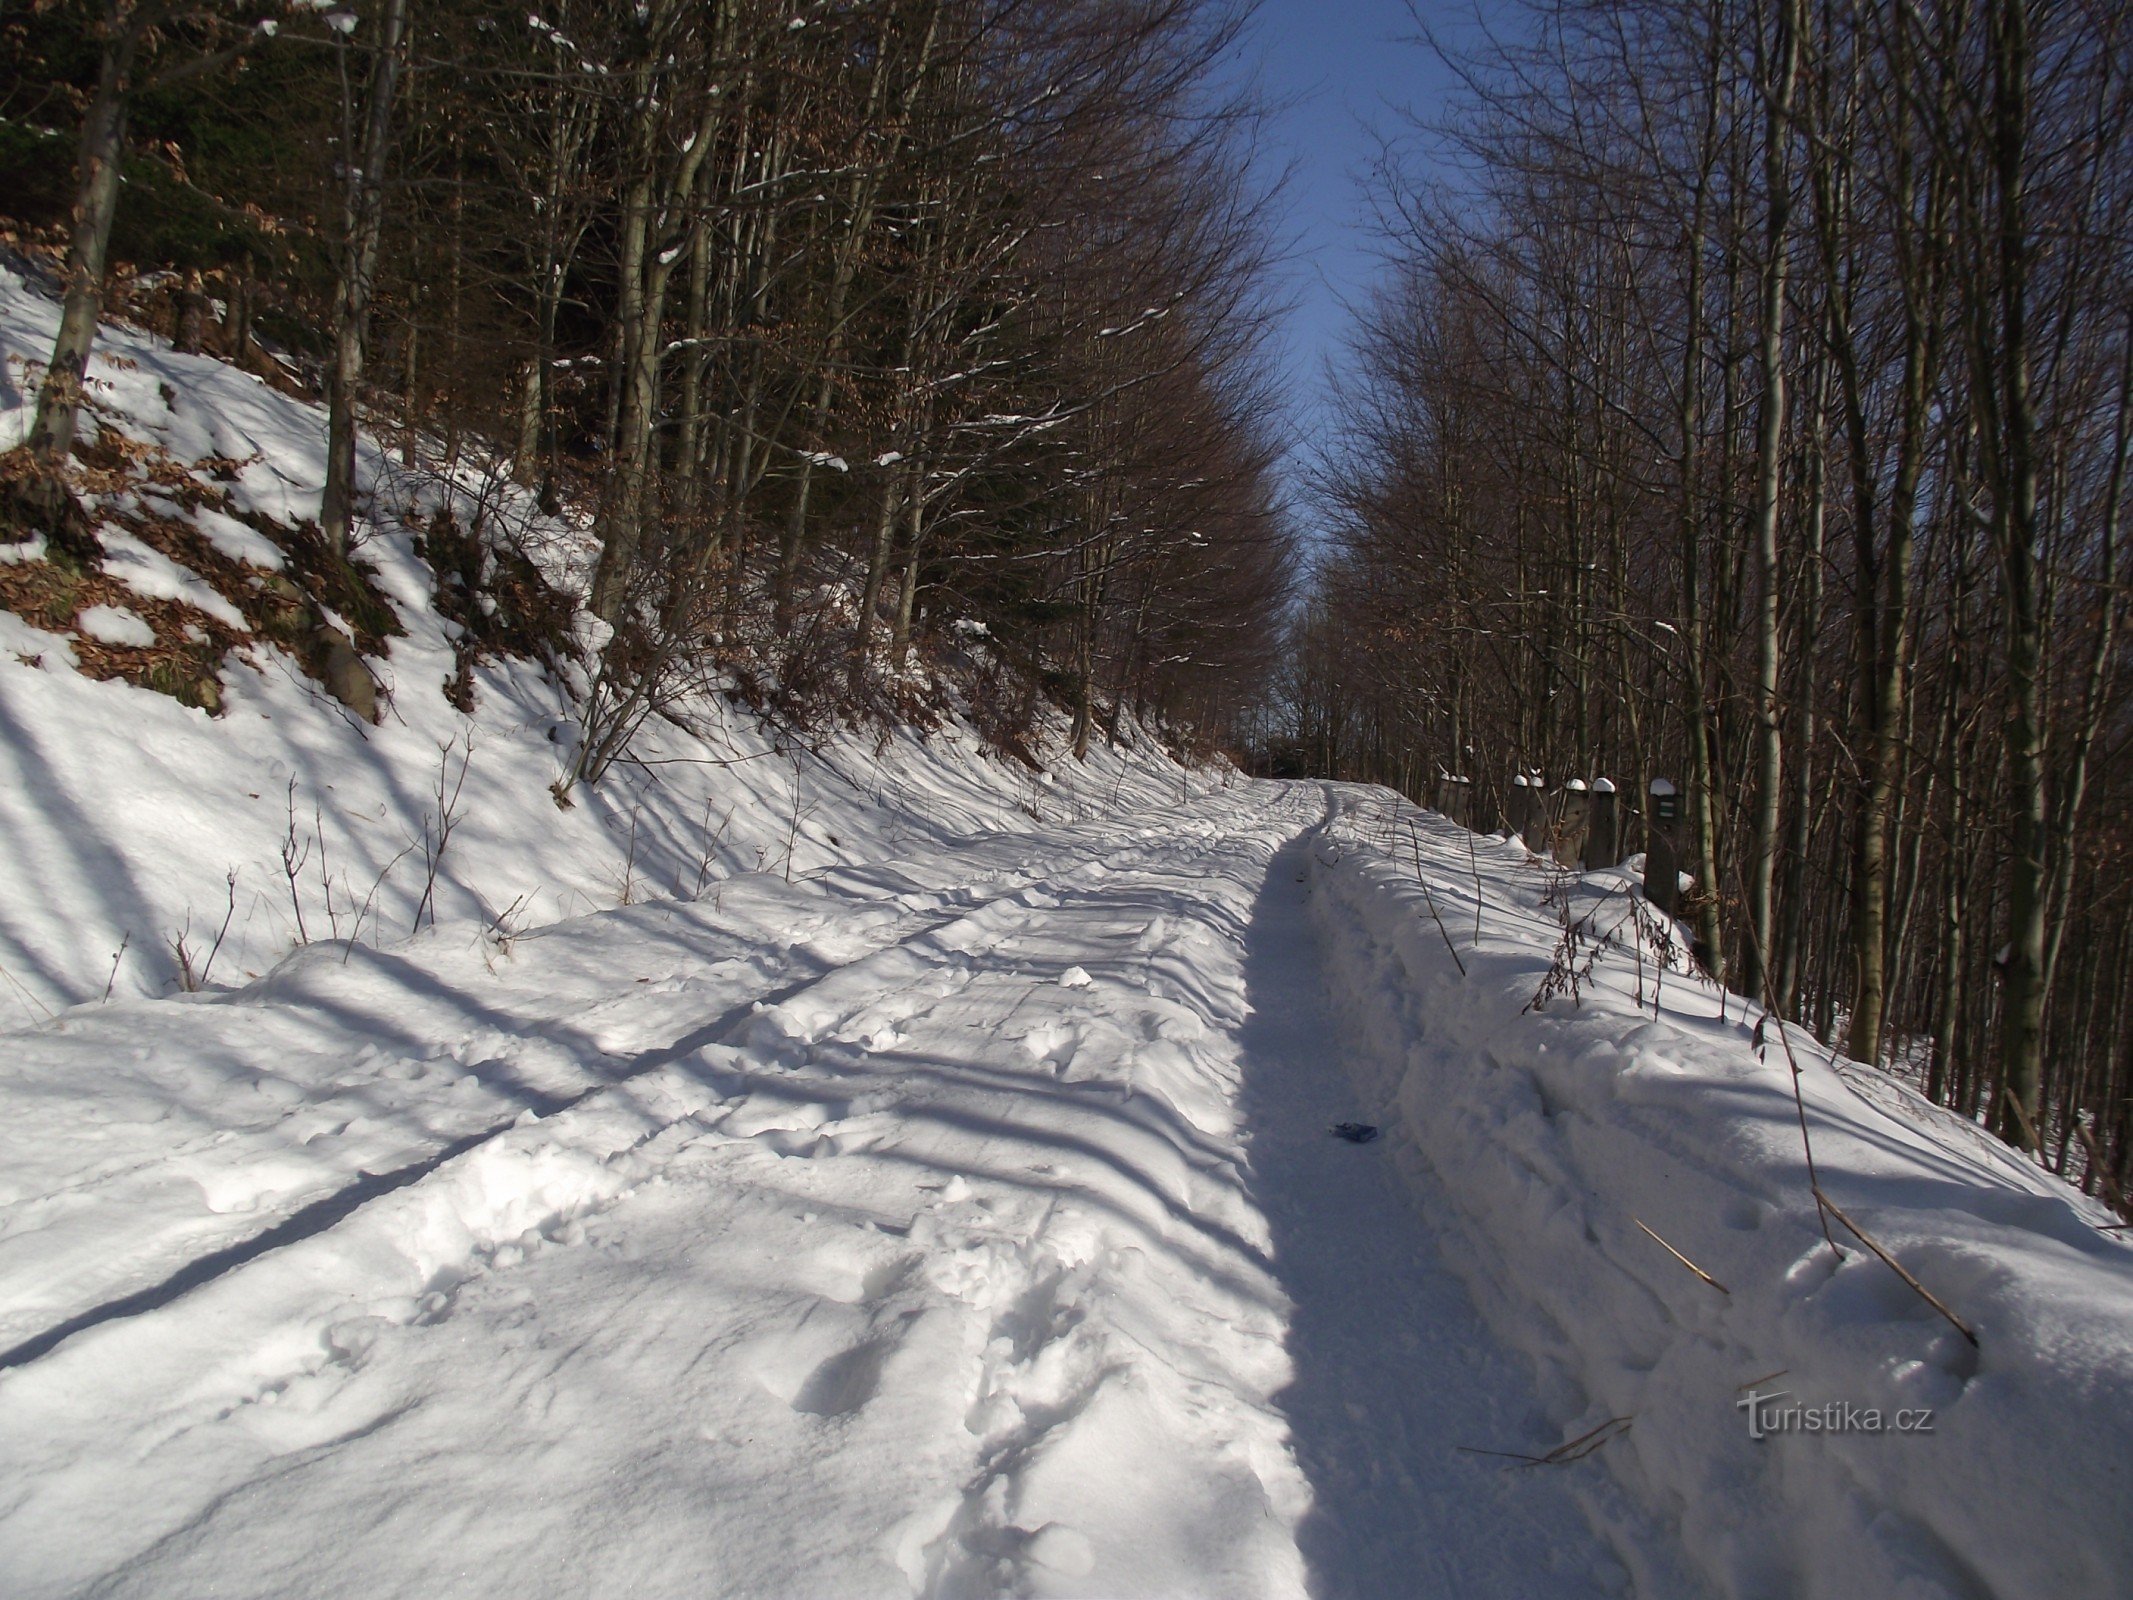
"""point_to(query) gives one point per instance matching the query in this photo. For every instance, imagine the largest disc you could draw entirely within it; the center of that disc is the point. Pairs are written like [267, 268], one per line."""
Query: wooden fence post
[1540, 823]
[1458, 799]
[1662, 848]
[1603, 828]
[1573, 824]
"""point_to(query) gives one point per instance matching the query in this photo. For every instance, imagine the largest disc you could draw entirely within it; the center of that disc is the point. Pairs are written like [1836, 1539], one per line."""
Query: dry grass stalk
[1898, 1268]
[1684, 1260]
[1563, 1454]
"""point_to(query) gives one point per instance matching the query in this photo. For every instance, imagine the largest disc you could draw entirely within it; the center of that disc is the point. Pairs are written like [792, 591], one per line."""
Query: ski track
[963, 1226]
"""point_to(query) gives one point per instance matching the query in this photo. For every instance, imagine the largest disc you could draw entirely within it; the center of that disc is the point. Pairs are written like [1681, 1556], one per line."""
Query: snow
[813, 1238]
[966, 1224]
[150, 573]
[123, 812]
[878, 1169]
[116, 625]
[1545, 1136]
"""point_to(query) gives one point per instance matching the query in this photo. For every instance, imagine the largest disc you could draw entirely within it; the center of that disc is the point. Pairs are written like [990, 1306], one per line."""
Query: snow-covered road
[962, 1226]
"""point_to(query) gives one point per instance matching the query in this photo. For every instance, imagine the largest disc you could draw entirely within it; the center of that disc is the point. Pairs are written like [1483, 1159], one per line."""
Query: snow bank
[1542, 1133]
[131, 823]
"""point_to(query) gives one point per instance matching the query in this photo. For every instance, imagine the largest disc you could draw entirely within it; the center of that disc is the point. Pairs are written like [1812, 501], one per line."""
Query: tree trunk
[362, 214]
[2015, 529]
[915, 537]
[102, 149]
[1703, 826]
[877, 574]
[1799, 839]
[650, 210]
[1769, 466]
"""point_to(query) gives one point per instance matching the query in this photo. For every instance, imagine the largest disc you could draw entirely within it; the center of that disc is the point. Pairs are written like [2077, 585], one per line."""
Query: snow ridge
[1542, 1135]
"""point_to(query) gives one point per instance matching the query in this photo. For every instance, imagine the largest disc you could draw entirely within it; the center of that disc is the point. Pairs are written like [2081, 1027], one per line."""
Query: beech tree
[139, 44]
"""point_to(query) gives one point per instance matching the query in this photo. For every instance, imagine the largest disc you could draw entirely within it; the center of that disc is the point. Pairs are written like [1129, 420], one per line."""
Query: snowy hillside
[132, 820]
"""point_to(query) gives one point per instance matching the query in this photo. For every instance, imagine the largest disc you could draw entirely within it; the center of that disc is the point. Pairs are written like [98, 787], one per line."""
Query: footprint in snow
[845, 1382]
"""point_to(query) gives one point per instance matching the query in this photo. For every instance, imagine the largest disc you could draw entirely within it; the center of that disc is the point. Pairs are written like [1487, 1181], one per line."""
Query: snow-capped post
[1539, 824]
[1454, 797]
[1603, 827]
[1662, 848]
[1518, 807]
[1576, 818]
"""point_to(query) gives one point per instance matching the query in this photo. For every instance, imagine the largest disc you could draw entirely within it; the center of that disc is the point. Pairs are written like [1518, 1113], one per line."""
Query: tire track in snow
[1395, 1370]
[317, 1216]
[1093, 1260]
[1068, 1370]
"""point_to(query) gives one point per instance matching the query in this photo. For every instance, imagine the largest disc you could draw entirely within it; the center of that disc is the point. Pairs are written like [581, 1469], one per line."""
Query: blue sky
[1340, 64]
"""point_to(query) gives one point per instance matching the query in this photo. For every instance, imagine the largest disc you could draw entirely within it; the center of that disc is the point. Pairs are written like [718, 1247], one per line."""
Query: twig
[16, 984]
[629, 861]
[712, 841]
[1474, 862]
[355, 931]
[1684, 1260]
[293, 857]
[498, 929]
[1897, 1267]
[1563, 1454]
[1799, 1100]
[221, 933]
[325, 876]
[1428, 899]
[116, 957]
[792, 833]
[447, 820]
[1637, 948]
[181, 946]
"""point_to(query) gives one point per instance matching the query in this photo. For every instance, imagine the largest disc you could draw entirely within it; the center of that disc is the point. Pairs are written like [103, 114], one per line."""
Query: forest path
[961, 1226]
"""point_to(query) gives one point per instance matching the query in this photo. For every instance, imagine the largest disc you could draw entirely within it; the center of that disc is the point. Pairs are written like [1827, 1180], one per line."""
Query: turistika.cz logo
[1770, 1414]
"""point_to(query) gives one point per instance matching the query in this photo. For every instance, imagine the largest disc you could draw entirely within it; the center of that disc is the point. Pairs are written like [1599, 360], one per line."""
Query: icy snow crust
[1539, 1139]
